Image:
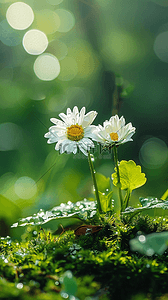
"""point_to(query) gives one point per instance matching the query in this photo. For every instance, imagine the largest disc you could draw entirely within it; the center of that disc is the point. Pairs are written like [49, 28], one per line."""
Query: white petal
[47, 135]
[75, 149]
[89, 130]
[72, 147]
[82, 150]
[53, 135]
[108, 128]
[114, 120]
[53, 129]
[64, 146]
[88, 142]
[100, 127]
[75, 110]
[57, 122]
[63, 117]
[81, 115]
[57, 146]
[52, 140]
[69, 111]
[89, 118]
[94, 135]
[122, 122]
[97, 138]
[105, 123]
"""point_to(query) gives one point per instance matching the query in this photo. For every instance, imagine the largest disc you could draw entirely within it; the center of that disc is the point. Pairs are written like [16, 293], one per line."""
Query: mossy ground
[102, 263]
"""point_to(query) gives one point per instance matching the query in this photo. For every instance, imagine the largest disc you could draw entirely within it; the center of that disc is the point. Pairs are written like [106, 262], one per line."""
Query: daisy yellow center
[114, 136]
[75, 133]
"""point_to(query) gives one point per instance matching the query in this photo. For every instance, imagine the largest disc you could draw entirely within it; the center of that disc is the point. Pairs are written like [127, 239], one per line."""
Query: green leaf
[148, 204]
[126, 92]
[8, 209]
[106, 201]
[150, 201]
[82, 210]
[69, 283]
[150, 244]
[119, 80]
[103, 182]
[165, 195]
[130, 175]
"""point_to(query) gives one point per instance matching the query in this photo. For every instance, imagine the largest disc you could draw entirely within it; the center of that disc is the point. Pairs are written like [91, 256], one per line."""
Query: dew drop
[19, 286]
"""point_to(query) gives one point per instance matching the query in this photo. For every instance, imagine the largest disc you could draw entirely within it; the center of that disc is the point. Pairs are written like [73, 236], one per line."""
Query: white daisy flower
[73, 131]
[113, 131]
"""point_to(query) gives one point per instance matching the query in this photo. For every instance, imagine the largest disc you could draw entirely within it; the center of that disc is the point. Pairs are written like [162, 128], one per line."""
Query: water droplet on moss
[19, 286]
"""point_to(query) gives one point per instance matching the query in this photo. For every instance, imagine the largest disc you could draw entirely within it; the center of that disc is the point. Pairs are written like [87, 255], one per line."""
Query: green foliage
[130, 175]
[8, 210]
[125, 87]
[147, 204]
[165, 195]
[103, 182]
[92, 265]
[154, 243]
[83, 210]
[69, 283]
[106, 202]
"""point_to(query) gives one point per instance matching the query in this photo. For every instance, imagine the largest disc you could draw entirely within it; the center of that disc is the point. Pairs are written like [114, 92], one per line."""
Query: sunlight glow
[161, 46]
[69, 69]
[153, 153]
[46, 67]
[67, 20]
[47, 21]
[8, 35]
[11, 136]
[58, 48]
[57, 103]
[78, 96]
[35, 42]
[19, 15]
[25, 187]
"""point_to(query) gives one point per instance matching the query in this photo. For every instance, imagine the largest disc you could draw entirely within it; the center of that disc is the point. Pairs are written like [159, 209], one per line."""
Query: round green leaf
[130, 175]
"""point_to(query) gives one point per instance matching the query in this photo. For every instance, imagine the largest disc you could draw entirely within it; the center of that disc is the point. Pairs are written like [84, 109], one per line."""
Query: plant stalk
[93, 173]
[118, 175]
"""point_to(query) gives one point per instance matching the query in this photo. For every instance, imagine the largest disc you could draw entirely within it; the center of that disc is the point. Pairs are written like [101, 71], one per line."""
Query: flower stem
[118, 175]
[93, 172]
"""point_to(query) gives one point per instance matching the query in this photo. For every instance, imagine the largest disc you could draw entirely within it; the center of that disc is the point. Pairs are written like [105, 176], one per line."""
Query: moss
[102, 263]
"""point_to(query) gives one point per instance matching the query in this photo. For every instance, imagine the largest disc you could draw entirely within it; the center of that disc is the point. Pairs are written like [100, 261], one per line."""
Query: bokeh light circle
[79, 96]
[161, 46]
[19, 15]
[69, 69]
[57, 103]
[47, 67]
[58, 48]
[153, 153]
[11, 136]
[25, 187]
[8, 35]
[47, 21]
[67, 20]
[35, 42]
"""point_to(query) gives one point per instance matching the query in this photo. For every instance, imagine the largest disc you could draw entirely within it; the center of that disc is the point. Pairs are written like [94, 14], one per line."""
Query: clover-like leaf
[130, 175]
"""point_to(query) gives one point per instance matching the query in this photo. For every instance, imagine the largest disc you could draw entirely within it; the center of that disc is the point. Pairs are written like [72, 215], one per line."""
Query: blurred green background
[94, 42]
